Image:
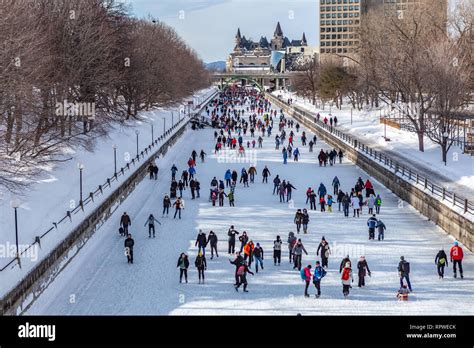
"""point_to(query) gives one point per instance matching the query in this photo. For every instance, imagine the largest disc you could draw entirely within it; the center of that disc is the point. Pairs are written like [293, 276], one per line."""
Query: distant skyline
[209, 26]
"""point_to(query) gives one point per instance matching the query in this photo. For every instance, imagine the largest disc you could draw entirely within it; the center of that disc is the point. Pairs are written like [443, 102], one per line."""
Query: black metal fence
[101, 189]
[397, 168]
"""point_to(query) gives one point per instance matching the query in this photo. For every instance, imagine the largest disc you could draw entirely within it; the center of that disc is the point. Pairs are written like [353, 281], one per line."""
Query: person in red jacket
[456, 254]
[307, 279]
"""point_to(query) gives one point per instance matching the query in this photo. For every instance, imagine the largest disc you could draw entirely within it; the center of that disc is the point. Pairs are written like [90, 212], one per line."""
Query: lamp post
[15, 204]
[445, 140]
[81, 167]
[152, 135]
[164, 126]
[137, 133]
[115, 159]
[172, 119]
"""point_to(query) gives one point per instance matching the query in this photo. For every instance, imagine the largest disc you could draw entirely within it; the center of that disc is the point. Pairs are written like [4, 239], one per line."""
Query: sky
[210, 26]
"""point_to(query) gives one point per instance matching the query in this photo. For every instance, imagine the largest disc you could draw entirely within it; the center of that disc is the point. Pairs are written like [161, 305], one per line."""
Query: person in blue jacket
[319, 273]
[227, 177]
[191, 171]
[285, 155]
[322, 190]
[372, 223]
[296, 154]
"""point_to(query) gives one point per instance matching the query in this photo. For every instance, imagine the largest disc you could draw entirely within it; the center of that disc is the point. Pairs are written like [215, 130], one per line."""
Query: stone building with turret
[265, 55]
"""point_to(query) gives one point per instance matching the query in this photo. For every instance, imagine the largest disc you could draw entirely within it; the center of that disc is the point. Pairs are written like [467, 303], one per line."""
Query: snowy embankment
[58, 191]
[99, 280]
[458, 174]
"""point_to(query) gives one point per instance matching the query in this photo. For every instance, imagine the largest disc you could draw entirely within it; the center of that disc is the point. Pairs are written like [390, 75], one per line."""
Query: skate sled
[121, 231]
[172, 192]
[402, 294]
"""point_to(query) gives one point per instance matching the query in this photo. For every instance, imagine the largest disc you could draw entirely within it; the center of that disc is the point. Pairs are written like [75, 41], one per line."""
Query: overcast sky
[209, 26]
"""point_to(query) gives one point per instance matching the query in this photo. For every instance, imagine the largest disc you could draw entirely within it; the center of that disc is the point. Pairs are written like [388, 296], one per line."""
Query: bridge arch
[250, 79]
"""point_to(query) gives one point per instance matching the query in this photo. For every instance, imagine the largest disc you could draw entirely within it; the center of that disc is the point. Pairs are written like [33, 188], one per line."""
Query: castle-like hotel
[277, 55]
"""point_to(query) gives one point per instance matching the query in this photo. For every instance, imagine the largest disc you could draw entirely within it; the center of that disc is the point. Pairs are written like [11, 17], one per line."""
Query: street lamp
[137, 133]
[152, 136]
[115, 159]
[15, 204]
[445, 140]
[81, 167]
[164, 125]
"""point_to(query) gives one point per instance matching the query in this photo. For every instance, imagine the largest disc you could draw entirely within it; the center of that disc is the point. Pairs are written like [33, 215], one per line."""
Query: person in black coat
[183, 264]
[212, 241]
[201, 242]
[125, 221]
[441, 260]
[166, 205]
[325, 251]
[237, 262]
[129, 243]
[343, 263]
[201, 265]
[363, 270]
[232, 233]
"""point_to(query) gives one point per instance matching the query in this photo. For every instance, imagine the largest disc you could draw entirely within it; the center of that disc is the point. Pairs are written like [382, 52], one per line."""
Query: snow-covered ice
[99, 280]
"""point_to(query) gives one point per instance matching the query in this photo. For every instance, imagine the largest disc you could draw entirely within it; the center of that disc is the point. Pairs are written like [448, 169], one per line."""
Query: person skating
[381, 229]
[322, 190]
[201, 242]
[248, 252]
[276, 184]
[339, 199]
[298, 220]
[371, 203]
[125, 221]
[404, 272]
[319, 273]
[362, 270]
[202, 155]
[325, 252]
[232, 233]
[378, 204]
[166, 205]
[291, 244]
[227, 177]
[336, 184]
[212, 241]
[201, 266]
[282, 191]
[312, 200]
[252, 172]
[243, 239]
[289, 188]
[237, 262]
[346, 279]
[322, 203]
[174, 170]
[151, 225]
[355, 202]
[183, 264]
[128, 244]
[330, 201]
[344, 262]
[441, 260]
[340, 155]
[184, 177]
[346, 202]
[257, 254]
[456, 255]
[298, 250]
[372, 224]
[179, 205]
[181, 188]
[277, 251]
[242, 274]
[305, 220]
[231, 197]
[265, 174]
[306, 276]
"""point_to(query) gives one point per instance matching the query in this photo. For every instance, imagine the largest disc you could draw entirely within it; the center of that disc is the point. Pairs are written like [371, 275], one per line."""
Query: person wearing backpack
[319, 273]
[306, 276]
[291, 244]
[372, 223]
[201, 242]
[201, 265]
[183, 264]
[378, 203]
[456, 254]
[242, 274]
[441, 260]
[277, 251]
[404, 272]
[346, 279]
[363, 270]
[298, 250]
